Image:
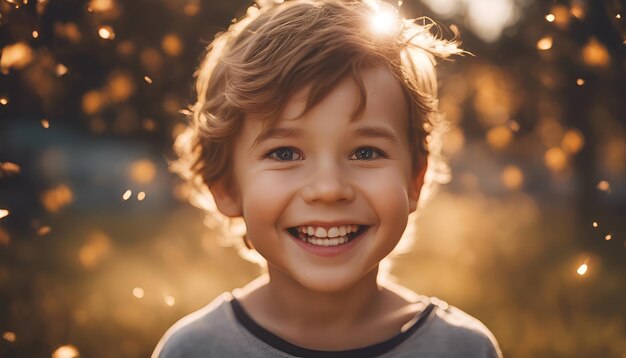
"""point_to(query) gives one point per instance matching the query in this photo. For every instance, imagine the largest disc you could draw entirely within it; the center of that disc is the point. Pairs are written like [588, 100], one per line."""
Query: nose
[329, 184]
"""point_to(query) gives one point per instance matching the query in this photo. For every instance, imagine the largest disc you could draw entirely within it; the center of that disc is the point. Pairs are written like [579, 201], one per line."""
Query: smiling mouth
[322, 237]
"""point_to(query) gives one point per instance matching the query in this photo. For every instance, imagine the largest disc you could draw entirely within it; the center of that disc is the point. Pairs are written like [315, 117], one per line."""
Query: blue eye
[366, 153]
[284, 154]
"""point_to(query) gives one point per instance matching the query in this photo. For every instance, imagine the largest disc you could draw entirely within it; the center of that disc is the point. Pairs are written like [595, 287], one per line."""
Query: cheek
[387, 194]
[264, 198]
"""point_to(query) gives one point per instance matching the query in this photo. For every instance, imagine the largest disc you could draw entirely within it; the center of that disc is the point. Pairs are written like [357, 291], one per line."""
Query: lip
[329, 224]
[331, 251]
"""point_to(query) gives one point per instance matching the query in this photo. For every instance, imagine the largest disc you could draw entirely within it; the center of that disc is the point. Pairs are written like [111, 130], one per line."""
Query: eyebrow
[367, 132]
[377, 132]
[277, 133]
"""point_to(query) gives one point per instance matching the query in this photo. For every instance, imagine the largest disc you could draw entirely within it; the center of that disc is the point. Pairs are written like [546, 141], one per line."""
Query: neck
[285, 298]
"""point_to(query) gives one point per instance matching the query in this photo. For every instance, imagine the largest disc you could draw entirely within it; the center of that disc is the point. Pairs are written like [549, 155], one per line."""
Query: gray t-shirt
[223, 329]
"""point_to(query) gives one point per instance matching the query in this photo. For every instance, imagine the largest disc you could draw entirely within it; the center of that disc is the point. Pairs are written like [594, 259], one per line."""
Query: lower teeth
[325, 242]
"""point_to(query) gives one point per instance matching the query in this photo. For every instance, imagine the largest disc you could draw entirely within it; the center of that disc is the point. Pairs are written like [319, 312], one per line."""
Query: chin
[328, 282]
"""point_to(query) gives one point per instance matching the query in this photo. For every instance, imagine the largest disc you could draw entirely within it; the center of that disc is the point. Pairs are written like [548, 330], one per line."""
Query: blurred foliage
[99, 252]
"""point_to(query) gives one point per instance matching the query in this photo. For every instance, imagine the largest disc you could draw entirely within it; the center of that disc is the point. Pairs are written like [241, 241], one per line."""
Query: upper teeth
[334, 231]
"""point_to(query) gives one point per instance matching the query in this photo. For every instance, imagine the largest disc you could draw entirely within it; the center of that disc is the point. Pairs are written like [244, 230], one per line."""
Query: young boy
[311, 125]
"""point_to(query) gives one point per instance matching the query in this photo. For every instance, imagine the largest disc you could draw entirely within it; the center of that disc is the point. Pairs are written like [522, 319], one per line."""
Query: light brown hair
[281, 47]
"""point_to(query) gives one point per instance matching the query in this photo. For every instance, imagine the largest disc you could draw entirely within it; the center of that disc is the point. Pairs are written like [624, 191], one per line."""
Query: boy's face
[324, 170]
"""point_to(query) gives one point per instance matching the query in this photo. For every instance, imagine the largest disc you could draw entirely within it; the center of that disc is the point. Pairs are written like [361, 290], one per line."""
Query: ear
[226, 198]
[417, 182]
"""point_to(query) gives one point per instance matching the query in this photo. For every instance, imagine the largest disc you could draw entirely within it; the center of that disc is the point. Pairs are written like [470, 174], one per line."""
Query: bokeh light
[9, 336]
[106, 32]
[172, 45]
[512, 177]
[67, 351]
[9, 169]
[545, 43]
[383, 20]
[169, 300]
[595, 54]
[499, 137]
[604, 186]
[100, 5]
[562, 16]
[44, 230]
[488, 19]
[555, 159]
[572, 141]
[56, 198]
[191, 8]
[138, 292]
[16, 56]
[96, 248]
[61, 69]
[142, 171]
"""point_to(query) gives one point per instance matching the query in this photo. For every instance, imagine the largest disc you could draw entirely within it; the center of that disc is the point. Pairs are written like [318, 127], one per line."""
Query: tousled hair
[278, 48]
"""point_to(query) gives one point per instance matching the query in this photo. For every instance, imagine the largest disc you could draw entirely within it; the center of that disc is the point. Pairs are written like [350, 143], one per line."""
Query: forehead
[383, 100]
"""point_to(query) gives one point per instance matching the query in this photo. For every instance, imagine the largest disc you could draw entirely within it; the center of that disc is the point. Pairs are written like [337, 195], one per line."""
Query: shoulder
[198, 333]
[455, 331]
[443, 330]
